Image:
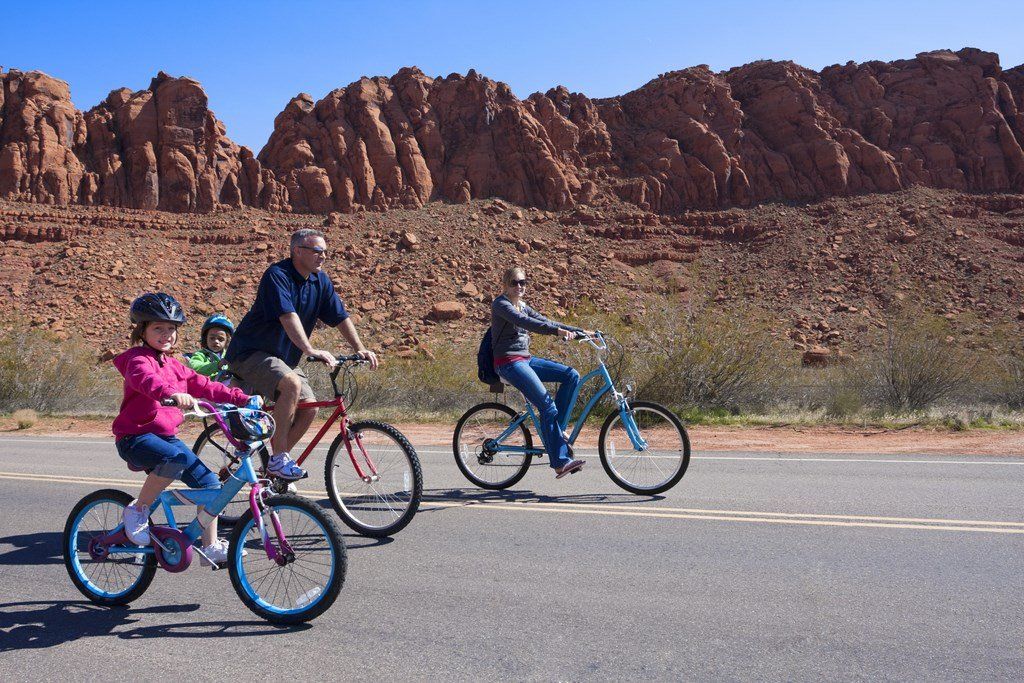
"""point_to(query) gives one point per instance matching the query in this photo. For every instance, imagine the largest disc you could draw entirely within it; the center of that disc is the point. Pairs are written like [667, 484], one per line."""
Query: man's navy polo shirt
[283, 290]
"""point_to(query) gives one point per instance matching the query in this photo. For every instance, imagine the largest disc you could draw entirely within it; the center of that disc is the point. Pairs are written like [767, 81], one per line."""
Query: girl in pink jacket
[146, 431]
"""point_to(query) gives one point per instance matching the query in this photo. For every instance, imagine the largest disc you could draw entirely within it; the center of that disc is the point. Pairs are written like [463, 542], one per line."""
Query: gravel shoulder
[824, 439]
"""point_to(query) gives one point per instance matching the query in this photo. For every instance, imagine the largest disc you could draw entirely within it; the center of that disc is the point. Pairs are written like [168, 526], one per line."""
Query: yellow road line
[805, 519]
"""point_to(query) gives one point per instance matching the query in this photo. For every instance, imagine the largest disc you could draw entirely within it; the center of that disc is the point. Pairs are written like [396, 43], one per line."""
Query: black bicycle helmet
[158, 307]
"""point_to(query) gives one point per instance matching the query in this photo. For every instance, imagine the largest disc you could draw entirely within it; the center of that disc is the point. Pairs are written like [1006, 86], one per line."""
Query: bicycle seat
[135, 468]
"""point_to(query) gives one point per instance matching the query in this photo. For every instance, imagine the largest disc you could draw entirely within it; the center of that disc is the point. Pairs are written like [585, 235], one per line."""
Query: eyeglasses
[320, 251]
[519, 283]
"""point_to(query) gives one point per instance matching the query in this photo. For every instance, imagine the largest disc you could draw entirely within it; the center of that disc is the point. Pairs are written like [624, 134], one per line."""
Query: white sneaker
[136, 523]
[217, 552]
[282, 465]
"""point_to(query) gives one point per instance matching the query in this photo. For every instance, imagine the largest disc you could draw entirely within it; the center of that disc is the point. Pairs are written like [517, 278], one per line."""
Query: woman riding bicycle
[511, 323]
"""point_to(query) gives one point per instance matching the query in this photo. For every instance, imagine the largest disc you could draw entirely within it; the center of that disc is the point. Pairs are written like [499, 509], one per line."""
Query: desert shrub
[684, 358]
[417, 386]
[1007, 387]
[915, 365]
[25, 418]
[708, 359]
[40, 372]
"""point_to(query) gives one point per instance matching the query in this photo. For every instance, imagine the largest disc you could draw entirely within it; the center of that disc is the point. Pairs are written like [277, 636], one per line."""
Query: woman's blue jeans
[528, 377]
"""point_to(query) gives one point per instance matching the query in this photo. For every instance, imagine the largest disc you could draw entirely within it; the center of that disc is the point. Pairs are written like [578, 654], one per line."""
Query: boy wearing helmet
[213, 338]
[146, 431]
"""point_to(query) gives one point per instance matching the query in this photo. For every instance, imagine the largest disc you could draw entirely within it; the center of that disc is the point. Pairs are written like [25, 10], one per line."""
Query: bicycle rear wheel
[475, 455]
[213, 449]
[660, 465]
[310, 572]
[114, 578]
[381, 504]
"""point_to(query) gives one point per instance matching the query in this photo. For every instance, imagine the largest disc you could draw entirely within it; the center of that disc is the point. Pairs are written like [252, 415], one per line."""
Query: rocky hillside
[821, 274]
[689, 139]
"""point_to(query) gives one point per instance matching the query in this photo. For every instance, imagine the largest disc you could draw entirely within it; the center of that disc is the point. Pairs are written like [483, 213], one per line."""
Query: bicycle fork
[351, 436]
[285, 554]
[629, 421]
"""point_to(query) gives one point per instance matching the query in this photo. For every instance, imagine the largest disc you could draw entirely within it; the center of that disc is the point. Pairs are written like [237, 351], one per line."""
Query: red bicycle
[372, 472]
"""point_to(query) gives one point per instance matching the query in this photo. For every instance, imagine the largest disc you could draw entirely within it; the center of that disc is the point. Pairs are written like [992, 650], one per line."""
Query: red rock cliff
[688, 139]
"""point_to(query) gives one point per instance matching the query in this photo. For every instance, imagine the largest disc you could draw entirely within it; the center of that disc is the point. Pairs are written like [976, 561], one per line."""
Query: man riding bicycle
[274, 335]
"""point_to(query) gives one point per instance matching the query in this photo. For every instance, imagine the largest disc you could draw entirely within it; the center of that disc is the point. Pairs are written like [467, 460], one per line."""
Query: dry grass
[25, 418]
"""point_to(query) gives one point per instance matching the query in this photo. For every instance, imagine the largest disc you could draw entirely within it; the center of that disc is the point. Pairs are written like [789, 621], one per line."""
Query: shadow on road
[211, 629]
[42, 624]
[32, 549]
[479, 496]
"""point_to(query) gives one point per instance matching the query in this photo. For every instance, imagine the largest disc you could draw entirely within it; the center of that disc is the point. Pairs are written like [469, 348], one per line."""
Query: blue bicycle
[643, 446]
[286, 557]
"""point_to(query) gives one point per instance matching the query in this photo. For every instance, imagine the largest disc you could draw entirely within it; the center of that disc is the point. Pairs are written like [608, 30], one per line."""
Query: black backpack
[485, 364]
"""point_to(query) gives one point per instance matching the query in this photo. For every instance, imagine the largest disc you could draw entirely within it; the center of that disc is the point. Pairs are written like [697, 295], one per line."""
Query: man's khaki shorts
[260, 373]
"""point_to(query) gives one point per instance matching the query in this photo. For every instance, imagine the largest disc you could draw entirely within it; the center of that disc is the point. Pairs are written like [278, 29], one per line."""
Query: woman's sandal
[571, 467]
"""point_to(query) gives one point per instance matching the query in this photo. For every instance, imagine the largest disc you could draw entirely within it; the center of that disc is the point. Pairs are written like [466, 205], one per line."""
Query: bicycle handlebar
[353, 358]
[597, 341]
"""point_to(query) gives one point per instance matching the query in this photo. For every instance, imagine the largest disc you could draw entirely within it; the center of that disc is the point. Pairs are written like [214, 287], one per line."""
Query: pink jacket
[150, 377]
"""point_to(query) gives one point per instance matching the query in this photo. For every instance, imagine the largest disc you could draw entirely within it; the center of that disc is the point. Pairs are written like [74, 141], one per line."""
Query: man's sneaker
[136, 523]
[217, 552]
[282, 466]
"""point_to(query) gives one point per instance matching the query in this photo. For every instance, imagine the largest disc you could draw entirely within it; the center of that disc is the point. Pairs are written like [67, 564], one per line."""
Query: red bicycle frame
[340, 412]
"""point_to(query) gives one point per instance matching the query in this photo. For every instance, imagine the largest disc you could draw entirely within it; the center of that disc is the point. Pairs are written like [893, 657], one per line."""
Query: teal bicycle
[643, 446]
[287, 559]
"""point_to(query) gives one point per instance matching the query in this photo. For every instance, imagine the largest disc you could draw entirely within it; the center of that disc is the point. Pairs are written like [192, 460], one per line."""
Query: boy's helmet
[158, 307]
[217, 320]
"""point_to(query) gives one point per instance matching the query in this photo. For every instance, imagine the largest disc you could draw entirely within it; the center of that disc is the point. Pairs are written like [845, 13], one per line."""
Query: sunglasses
[316, 250]
[518, 283]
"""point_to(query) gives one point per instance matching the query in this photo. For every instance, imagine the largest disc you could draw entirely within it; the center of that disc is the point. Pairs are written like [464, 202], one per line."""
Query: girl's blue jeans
[166, 456]
[528, 377]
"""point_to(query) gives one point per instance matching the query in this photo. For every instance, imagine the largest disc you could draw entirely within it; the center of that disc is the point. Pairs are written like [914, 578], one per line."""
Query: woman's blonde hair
[509, 275]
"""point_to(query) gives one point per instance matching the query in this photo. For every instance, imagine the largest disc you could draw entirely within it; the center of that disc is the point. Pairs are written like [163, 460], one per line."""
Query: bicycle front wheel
[660, 464]
[306, 577]
[383, 499]
[475, 450]
[105, 578]
[213, 449]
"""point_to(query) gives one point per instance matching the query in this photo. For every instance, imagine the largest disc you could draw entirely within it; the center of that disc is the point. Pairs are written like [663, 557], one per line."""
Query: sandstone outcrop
[689, 139]
[408, 139]
[160, 148]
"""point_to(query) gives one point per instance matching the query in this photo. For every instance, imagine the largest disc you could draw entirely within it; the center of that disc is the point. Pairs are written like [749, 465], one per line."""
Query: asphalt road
[756, 566]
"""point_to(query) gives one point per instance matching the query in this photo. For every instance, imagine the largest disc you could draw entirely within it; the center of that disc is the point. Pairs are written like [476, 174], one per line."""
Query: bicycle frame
[212, 500]
[340, 413]
[601, 371]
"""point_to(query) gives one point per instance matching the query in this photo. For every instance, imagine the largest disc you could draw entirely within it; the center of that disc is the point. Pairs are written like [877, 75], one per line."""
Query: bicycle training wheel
[213, 449]
[476, 457]
[105, 578]
[309, 571]
[658, 467]
[375, 504]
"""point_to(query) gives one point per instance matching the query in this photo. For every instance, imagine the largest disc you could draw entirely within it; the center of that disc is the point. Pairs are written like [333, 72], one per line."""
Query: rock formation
[160, 148]
[688, 139]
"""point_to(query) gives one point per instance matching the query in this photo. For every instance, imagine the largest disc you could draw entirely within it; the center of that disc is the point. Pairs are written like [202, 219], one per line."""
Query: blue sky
[252, 57]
